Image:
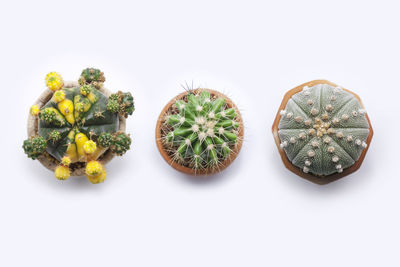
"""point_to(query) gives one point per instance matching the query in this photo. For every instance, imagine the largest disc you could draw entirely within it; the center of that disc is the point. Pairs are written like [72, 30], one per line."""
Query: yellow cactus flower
[94, 168]
[59, 96]
[35, 110]
[66, 161]
[89, 147]
[99, 178]
[62, 172]
[54, 81]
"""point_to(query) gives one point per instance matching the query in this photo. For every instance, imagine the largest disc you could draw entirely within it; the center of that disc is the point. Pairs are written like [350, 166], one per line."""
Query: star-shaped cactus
[322, 130]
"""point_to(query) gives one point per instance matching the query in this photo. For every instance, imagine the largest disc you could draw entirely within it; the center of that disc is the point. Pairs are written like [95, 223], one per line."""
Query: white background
[256, 213]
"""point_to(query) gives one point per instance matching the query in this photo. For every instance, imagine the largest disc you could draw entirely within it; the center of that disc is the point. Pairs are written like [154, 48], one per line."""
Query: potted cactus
[199, 132]
[322, 131]
[75, 128]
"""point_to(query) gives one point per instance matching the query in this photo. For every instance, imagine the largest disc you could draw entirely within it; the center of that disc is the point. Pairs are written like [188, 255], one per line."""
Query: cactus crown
[323, 129]
[200, 130]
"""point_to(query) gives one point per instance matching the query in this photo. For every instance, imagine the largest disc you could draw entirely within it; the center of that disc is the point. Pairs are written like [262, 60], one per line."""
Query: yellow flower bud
[54, 81]
[99, 178]
[59, 96]
[66, 161]
[94, 168]
[62, 172]
[35, 110]
[89, 147]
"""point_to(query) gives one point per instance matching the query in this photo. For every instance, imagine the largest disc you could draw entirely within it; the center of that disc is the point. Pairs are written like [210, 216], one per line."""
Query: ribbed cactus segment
[323, 129]
[202, 130]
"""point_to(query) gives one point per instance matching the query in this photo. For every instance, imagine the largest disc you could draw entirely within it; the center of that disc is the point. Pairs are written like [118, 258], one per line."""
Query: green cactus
[52, 116]
[113, 106]
[120, 143]
[86, 89]
[121, 103]
[323, 129]
[34, 146]
[202, 131]
[105, 140]
[92, 76]
[54, 136]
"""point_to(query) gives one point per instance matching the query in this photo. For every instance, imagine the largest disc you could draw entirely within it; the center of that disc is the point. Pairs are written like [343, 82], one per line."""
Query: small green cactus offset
[92, 76]
[34, 146]
[105, 140]
[120, 143]
[201, 131]
[323, 129]
[121, 103]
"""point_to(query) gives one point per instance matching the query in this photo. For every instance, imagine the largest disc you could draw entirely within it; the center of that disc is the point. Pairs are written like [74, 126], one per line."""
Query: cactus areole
[72, 125]
[199, 132]
[322, 131]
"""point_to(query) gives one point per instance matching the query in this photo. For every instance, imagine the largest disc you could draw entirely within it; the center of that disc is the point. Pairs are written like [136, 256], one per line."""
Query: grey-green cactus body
[323, 129]
[202, 131]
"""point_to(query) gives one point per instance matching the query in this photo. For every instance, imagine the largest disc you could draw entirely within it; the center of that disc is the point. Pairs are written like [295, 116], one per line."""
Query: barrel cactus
[323, 130]
[200, 130]
[72, 124]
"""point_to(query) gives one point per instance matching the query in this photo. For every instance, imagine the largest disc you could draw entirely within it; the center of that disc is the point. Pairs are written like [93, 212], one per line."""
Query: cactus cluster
[201, 131]
[34, 146]
[121, 103]
[323, 130]
[92, 76]
[76, 126]
[119, 142]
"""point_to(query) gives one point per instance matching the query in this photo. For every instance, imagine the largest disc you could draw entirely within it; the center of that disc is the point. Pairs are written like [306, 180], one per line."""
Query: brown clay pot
[47, 160]
[162, 148]
[317, 179]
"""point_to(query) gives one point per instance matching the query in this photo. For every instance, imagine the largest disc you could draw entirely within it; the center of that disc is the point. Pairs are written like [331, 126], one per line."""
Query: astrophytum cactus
[323, 131]
[72, 129]
[200, 132]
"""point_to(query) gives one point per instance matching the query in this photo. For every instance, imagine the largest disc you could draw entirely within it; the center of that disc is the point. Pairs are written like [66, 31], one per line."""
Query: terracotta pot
[47, 160]
[316, 179]
[162, 147]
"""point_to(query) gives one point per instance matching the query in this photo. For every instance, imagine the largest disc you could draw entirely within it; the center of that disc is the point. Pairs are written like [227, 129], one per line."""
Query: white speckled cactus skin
[323, 129]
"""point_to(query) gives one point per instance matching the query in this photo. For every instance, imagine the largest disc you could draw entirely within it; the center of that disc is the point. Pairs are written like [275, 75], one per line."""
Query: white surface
[256, 213]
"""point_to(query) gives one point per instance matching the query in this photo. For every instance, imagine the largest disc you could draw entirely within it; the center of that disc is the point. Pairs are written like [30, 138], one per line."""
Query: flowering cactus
[75, 124]
[323, 130]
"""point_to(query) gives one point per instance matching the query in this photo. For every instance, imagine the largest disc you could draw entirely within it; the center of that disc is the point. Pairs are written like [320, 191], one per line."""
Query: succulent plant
[120, 143]
[105, 140]
[201, 131]
[121, 103]
[323, 130]
[92, 76]
[71, 125]
[54, 81]
[34, 147]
